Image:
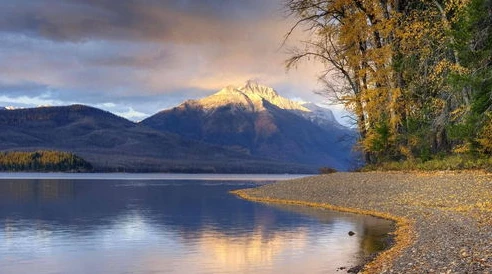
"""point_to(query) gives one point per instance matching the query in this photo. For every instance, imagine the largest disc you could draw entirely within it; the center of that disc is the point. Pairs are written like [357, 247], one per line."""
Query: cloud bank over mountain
[141, 56]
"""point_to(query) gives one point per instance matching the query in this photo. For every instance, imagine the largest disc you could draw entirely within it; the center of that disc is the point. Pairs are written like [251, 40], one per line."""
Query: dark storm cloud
[151, 20]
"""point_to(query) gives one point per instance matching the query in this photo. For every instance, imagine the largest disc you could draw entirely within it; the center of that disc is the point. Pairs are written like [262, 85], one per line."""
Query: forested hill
[43, 161]
[417, 75]
[112, 143]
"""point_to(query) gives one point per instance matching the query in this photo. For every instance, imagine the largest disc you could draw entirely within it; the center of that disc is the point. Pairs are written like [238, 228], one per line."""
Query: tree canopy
[417, 75]
[42, 161]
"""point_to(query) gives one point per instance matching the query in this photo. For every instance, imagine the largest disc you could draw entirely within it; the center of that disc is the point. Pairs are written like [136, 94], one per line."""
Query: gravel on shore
[444, 219]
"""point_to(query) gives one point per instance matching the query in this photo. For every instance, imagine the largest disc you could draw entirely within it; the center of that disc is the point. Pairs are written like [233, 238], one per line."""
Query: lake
[89, 223]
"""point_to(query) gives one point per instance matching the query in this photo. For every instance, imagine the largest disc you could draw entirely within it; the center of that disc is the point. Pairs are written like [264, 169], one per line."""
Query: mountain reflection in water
[113, 226]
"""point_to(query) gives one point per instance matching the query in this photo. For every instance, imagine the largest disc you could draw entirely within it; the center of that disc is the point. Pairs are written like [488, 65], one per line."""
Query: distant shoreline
[444, 219]
[147, 176]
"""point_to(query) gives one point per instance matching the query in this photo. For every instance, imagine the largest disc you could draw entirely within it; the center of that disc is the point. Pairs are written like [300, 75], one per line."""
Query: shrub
[452, 162]
[327, 170]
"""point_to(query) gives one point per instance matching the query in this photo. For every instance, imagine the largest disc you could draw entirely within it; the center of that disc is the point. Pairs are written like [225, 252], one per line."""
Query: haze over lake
[139, 225]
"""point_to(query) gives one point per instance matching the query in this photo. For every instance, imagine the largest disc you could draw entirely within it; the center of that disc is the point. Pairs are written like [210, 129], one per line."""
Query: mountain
[320, 116]
[256, 120]
[112, 143]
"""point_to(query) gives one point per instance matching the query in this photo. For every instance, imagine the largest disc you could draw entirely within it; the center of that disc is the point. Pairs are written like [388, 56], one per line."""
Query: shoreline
[149, 176]
[402, 235]
[443, 219]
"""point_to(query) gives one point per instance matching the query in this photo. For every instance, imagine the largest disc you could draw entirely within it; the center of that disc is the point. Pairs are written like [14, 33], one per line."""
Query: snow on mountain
[15, 108]
[320, 115]
[255, 90]
[319, 112]
[256, 120]
[248, 97]
[251, 97]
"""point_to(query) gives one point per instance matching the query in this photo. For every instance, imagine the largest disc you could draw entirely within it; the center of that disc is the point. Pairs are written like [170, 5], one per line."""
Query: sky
[137, 57]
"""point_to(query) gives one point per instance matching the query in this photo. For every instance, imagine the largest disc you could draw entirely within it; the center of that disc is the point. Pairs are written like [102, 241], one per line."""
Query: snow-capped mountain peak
[252, 88]
[255, 119]
[250, 96]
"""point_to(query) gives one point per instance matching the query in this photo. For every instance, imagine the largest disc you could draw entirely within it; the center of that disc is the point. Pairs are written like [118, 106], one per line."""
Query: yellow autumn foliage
[396, 59]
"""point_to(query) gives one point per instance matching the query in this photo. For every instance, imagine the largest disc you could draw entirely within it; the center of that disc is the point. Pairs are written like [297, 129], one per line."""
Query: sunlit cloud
[126, 52]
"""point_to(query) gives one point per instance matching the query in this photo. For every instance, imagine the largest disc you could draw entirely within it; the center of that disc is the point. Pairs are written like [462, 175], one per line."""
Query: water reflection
[64, 226]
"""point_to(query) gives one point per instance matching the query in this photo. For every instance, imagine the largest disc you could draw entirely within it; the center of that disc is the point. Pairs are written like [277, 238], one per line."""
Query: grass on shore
[454, 162]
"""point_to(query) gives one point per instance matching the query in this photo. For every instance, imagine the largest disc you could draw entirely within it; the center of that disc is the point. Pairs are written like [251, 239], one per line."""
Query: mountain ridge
[251, 96]
[238, 129]
[113, 143]
[256, 119]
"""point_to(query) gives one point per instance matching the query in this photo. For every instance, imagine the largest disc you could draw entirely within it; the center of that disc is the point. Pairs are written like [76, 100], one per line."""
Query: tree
[42, 161]
[355, 39]
[473, 35]
[398, 66]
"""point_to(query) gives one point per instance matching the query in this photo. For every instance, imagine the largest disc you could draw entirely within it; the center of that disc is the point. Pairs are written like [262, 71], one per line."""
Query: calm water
[170, 226]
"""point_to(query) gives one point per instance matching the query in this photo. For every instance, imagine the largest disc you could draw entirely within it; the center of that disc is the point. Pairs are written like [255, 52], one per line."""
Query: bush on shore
[455, 162]
[327, 170]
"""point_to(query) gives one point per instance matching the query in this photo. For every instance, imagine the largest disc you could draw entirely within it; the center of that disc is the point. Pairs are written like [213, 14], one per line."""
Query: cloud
[152, 20]
[132, 114]
[144, 55]
[27, 101]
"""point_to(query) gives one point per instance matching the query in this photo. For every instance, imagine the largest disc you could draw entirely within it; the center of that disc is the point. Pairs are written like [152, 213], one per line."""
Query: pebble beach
[443, 219]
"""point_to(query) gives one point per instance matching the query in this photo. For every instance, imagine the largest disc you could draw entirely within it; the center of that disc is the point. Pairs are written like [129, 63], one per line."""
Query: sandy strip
[444, 219]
